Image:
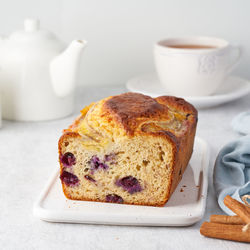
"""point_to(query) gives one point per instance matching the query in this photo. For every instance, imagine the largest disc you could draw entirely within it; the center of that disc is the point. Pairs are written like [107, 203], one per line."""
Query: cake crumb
[184, 186]
[182, 190]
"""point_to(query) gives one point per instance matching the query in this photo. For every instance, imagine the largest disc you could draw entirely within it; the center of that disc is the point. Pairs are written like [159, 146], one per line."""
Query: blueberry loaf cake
[129, 148]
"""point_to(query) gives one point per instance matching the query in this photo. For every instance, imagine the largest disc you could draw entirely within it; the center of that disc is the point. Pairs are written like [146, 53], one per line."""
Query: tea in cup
[194, 66]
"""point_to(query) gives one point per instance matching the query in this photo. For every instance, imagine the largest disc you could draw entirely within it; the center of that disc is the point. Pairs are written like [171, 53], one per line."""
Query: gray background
[121, 33]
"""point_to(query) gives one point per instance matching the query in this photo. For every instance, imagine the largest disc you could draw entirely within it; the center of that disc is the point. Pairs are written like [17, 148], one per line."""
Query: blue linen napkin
[241, 123]
[232, 171]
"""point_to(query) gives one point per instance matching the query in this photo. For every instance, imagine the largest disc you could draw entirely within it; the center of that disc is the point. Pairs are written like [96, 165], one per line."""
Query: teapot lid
[33, 33]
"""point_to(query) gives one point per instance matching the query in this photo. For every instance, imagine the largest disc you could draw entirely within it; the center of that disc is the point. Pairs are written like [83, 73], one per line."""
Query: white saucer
[234, 88]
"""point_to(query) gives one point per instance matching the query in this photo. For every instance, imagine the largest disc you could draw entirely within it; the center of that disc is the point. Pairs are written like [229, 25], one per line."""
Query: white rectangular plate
[185, 207]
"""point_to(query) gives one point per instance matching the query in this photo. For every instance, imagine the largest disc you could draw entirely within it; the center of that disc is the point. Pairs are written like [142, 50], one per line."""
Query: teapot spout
[64, 68]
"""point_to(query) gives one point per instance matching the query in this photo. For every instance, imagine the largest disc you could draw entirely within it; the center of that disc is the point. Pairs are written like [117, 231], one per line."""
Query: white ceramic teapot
[37, 74]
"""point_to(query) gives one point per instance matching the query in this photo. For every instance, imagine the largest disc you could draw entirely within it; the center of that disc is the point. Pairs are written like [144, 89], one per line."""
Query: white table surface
[28, 157]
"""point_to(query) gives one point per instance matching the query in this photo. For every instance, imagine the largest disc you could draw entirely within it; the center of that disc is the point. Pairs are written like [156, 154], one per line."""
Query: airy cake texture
[130, 149]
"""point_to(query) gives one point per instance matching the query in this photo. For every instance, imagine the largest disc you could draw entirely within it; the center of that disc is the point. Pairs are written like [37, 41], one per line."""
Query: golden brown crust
[177, 103]
[180, 105]
[130, 109]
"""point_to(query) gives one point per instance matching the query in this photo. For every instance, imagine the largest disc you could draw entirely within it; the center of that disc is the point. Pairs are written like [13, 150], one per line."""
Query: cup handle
[236, 59]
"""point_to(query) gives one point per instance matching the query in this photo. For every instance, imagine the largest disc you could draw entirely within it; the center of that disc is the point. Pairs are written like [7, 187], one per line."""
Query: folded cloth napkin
[241, 123]
[232, 171]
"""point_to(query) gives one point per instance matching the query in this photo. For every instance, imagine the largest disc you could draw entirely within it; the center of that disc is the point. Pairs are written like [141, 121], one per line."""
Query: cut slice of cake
[130, 149]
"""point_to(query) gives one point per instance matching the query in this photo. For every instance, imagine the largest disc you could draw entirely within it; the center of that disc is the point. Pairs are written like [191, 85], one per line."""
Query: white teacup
[194, 66]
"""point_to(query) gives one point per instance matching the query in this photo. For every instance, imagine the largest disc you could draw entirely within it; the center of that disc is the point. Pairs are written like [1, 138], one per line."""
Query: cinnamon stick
[225, 231]
[226, 219]
[240, 209]
[245, 199]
